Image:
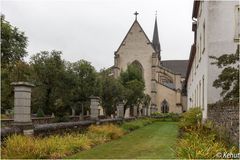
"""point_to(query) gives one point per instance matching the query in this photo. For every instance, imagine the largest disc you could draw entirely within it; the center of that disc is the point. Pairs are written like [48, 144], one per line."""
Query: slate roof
[177, 66]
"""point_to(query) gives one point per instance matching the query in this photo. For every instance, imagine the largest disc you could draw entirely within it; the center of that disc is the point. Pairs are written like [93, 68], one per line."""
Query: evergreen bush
[40, 112]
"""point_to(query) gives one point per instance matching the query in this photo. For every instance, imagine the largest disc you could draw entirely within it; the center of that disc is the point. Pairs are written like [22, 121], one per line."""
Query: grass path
[152, 141]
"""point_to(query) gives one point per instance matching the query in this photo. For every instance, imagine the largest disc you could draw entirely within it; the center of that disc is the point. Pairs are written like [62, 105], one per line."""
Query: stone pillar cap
[121, 102]
[27, 84]
[94, 97]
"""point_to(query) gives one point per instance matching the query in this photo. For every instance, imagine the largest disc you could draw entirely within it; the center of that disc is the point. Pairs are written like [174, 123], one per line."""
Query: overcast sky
[93, 29]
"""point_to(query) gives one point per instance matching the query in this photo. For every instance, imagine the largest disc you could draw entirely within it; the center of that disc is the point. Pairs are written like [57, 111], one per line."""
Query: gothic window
[166, 80]
[164, 107]
[163, 78]
[138, 65]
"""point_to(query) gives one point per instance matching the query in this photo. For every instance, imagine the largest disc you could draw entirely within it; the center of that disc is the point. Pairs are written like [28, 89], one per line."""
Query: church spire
[155, 40]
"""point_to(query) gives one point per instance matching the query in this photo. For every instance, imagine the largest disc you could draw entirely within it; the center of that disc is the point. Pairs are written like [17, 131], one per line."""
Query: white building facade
[216, 32]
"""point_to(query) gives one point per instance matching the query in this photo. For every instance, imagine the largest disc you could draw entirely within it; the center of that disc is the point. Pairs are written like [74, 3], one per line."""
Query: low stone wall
[63, 127]
[41, 120]
[225, 116]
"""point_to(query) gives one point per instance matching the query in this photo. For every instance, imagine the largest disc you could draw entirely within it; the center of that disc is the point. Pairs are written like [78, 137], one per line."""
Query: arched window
[165, 107]
[139, 66]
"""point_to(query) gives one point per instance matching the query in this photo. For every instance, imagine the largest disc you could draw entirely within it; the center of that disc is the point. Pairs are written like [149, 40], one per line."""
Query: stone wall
[225, 116]
[42, 120]
[58, 128]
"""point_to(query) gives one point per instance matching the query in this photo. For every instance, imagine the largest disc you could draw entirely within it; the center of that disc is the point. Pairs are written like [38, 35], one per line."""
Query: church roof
[177, 66]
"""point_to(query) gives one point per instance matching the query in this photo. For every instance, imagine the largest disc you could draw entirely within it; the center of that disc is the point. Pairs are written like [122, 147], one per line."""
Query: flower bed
[56, 146]
[198, 141]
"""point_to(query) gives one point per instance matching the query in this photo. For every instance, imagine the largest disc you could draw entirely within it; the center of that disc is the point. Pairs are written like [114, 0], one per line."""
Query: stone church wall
[171, 97]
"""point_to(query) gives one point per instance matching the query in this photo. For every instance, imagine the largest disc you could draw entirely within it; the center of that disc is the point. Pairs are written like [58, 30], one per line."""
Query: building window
[192, 100]
[204, 37]
[195, 99]
[197, 96]
[237, 23]
[197, 55]
[203, 92]
[195, 66]
[164, 107]
[200, 48]
[200, 93]
[200, 9]
[192, 72]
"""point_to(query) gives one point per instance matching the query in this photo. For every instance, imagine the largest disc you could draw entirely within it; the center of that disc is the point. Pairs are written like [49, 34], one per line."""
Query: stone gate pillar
[145, 111]
[22, 106]
[127, 113]
[94, 107]
[120, 110]
[73, 112]
[135, 112]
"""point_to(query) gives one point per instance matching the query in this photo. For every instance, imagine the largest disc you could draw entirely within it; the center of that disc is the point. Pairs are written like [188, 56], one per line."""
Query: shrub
[40, 113]
[175, 117]
[56, 146]
[22, 147]
[110, 130]
[199, 141]
[195, 145]
[17, 146]
[166, 116]
[58, 119]
[130, 126]
[97, 138]
[158, 114]
[191, 119]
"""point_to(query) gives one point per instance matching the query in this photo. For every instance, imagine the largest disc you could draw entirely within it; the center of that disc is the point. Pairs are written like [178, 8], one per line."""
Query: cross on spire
[136, 14]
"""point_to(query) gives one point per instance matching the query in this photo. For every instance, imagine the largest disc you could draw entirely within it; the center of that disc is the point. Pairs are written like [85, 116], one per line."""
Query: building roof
[191, 58]
[196, 4]
[177, 66]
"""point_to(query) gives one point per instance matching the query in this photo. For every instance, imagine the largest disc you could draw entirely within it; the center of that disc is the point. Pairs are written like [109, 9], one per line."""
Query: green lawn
[153, 141]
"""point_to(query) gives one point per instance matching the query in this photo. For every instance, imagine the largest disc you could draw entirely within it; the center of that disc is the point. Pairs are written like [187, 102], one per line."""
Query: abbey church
[164, 80]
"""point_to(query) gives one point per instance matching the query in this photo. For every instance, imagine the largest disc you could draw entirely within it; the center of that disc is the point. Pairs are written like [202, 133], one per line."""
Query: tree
[132, 73]
[111, 91]
[20, 72]
[13, 50]
[85, 82]
[228, 80]
[146, 100]
[51, 80]
[133, 81]
[13, 44]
